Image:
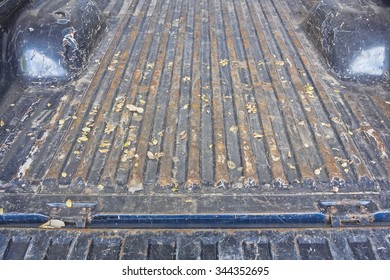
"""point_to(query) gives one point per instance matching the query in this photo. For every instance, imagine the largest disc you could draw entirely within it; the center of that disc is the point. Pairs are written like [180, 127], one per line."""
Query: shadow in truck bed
[197, 107]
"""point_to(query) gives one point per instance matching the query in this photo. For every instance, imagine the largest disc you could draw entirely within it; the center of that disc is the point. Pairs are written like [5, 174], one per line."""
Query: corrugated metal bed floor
[191, 99]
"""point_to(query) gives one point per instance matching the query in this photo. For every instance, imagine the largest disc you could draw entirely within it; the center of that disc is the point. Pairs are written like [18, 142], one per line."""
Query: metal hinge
[76, 213]
[349, 213]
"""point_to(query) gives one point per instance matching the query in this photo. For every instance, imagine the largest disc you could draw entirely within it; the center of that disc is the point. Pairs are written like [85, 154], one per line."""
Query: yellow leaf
[317, 171]
[231, 164]
[61, 121]
[258, 136]
[223, 62]
[64, 174]
[104, 151]
[69, 203]
[186, 79]
[292, 166]
[279, 63]
[1, 211]
[301, 123]
[82, 139]
[335, 189]
[251, 107]
[326, 124]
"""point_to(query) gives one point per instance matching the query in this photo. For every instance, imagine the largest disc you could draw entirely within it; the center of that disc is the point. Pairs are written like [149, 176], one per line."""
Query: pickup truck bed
[197, 107]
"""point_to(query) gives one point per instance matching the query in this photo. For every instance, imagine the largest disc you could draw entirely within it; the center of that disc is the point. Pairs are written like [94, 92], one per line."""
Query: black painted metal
[315, 244]
[353, 37]
[51, 40]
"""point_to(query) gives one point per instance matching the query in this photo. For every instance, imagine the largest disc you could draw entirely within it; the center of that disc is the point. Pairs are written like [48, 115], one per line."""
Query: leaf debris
[133, 108]
[183, 135]
[251, 107]
[69, 203]
[231, 164]
[233, 129]
[224, 62]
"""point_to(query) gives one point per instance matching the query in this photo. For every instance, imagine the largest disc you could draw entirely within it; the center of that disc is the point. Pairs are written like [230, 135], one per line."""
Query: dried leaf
[69, 203]
[346, 170]
[344, 164]
[309, 89]
[301, 123]
[100, 187]
[82, 139]
[335, 189]
[204, 98]
[183, 135]
[76, 153]
[239, 169]
[387, 102]
[289, 154]
[292, 166]
[131, 108]
[233, 129]
[64, 174]
[53, 224]
[141, 101]
[150, 155]
[154, 142]
[120, 103]
[185, 107]
[111, 68]
[86, 129]
[149, 65]
[159, 155]
[231, 164]
[336, 91]
[223, 62]
[186, 79]
[261, 63]
[210, 146]
[251, 107]
[350, 132]
[258, 136]
[105, 144]
[317, 171]
[109, 128]
[175, 159]
[104, 151]
[326, 124]
[1, 211]
[279, 63]
[60, 122]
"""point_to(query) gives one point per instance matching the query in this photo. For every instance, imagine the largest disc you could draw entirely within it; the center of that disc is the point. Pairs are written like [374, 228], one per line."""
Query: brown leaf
[183, 135]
